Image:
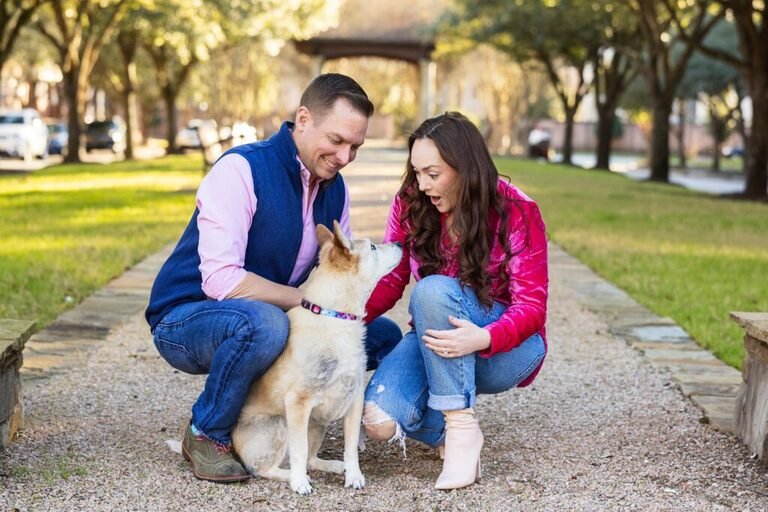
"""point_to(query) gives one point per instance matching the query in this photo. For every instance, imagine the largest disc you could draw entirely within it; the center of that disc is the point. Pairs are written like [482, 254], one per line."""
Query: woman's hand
[466, 338]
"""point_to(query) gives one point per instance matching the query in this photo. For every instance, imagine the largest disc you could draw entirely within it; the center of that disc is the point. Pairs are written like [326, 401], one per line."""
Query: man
[218, 303]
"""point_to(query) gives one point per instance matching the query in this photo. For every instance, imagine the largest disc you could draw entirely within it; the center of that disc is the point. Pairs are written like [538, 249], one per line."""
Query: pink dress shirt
[227, 203]
[526, 293]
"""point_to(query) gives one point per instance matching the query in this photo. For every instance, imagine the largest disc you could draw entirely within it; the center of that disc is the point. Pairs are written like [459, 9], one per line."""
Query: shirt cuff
[220, 284]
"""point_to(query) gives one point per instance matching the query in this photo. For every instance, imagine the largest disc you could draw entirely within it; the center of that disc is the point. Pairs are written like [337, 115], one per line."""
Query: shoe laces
[221, 449]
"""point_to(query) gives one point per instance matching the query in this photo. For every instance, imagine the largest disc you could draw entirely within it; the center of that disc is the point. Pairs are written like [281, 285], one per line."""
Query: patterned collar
[314, 308]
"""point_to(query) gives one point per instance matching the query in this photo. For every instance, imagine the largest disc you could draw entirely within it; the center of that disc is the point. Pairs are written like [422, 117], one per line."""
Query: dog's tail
[174, 445]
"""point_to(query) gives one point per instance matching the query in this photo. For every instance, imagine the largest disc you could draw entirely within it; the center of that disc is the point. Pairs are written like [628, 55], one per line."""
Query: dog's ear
[324, 235]
[339, 239]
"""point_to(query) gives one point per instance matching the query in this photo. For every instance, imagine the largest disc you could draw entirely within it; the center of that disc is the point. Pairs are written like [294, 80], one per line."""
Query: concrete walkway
[628, 413]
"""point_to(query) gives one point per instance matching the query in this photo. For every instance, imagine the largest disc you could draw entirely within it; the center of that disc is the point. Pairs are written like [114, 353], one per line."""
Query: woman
[476, 246]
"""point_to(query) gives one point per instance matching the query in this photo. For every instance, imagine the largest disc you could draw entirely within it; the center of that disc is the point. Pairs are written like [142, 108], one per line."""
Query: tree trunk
[71, 92]
[32, 95]
[718, 125]
[605, 122]
[130, 107]
[614, 82]
[570, 113]
[169, 98]
[716, 148]
[742, 129]
[128, 98]
[718, 135]
[53, 96]
[716, 157]
[681, 119]
[757, 157]
[662, 108]
[128, 44]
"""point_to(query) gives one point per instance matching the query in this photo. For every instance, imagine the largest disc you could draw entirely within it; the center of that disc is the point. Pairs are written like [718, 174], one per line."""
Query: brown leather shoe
[211, 461]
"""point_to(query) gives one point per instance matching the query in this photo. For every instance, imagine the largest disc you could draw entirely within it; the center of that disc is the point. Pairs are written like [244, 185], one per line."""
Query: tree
[178, 35]
[239, 84]
[118, 71]
[614, 70]
[716, 84]
[514, 96]
[749, 19]
[635, 103]
[77, 30]
[564, 36]
[14, 15]
[665, 24]
[31, 58]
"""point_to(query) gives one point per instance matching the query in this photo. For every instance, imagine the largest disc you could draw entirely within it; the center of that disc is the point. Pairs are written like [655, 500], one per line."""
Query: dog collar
[327, 312]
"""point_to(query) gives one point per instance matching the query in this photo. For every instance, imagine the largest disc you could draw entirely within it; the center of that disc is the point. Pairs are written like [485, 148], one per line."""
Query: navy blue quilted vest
[276, 230]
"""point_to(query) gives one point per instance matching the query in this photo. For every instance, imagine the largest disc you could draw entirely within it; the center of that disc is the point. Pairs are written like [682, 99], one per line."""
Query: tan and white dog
[320, 376]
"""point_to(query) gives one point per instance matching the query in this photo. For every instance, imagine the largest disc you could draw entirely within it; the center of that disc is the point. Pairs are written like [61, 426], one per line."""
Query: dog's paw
[301, 485]
[354, 479]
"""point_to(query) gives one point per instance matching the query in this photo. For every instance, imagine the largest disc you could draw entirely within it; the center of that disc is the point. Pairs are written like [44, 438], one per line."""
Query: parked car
[58, 138]
[23, 134]
[105, 135]
[538, 143]
[189, 136]
[732, 151]
[243, 133]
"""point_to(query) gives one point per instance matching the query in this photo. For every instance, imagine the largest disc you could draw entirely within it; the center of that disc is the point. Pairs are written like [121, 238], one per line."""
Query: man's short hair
[323, 91]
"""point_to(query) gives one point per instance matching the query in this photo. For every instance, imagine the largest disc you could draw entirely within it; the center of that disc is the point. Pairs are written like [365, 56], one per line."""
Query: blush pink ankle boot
[463, 442]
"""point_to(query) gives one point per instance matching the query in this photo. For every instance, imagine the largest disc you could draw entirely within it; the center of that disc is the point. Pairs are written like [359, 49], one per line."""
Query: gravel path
[599, 430]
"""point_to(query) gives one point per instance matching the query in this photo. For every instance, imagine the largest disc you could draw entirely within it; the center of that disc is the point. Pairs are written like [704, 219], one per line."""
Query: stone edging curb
[65, 342]
[708, 382]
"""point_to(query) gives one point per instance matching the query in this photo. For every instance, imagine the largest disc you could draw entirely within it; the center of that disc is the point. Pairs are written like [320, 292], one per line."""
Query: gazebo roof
[400, 29]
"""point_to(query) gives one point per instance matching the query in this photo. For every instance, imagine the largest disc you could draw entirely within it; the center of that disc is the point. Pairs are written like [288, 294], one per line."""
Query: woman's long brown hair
[462, 147]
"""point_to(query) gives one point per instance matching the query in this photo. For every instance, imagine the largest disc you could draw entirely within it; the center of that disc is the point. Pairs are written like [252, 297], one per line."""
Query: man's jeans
[235, 341]
[414, 385]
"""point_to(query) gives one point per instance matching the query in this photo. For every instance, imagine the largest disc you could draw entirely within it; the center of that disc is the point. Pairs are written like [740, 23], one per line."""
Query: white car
[190, 136]
[243, 133]
[23, 134]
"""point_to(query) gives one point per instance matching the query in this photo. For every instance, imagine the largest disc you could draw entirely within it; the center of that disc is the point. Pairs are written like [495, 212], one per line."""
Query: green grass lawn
[727, 165]
[685, 255]
[68, 230]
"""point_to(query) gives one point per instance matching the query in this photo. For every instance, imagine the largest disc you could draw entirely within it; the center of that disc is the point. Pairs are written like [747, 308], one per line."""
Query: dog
[320, 376]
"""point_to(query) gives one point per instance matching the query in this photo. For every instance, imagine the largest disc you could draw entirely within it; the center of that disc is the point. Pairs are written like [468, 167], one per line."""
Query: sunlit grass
[68, 230]
[688, 256]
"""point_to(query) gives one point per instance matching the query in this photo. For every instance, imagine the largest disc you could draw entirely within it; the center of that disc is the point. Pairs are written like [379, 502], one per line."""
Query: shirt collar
[306, 176]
